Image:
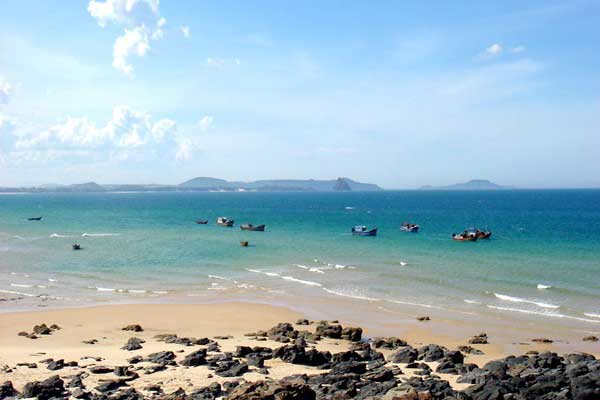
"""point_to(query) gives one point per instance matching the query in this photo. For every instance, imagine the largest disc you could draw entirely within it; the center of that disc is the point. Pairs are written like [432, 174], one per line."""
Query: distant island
[207, 184]
[474, 184]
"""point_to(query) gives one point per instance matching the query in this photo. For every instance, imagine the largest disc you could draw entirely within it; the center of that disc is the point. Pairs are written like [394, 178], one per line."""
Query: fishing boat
[244, 243]
[464, 237]
[34, 219]
[76, 246]
[480, 234]
[222, 221]
[409, 227]
[361, 230]
[250, 227]
[202, 221]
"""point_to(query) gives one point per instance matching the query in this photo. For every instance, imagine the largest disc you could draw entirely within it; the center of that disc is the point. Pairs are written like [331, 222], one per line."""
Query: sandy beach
[94, 337]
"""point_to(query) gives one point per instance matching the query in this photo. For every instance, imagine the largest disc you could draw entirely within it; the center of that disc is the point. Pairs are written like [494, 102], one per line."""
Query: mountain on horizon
[207, 183]
[474, 184]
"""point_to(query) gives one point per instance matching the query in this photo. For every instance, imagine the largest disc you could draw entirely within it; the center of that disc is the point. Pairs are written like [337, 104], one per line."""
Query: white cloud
[142, 22]
[518, 49]
[5, 91]
[205, 123]
[126, 12]
[132, 42]
[221, 62]
[494, 50]
[185, 30]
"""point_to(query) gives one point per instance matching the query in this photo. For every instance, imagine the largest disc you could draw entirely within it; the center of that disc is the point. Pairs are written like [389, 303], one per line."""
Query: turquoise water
[146, 245]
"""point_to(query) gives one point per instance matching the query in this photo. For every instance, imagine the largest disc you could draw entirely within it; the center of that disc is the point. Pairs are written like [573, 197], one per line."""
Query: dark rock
[55, 327]
[77, 381]
[133, 343]
[302, 322]
[405, 355]
[133, 328]
[22, 333]
[255, 360]
[162, 357]
[431, 352]
[44, 390]
[55, 365]
[41, 329]
[233, 368]
[213, 347]
[479, 339]
[299, 355]
[330, 331]
[470, 350]
[7, 390]
[100, 369]
[135, 359]
[110, 385]
[590, 339]
[352, 334]
[497, 368]
[424, 318]
[349, 367]
[390, 343]
[346, 356]
[272, 391]
[542, 340]
[79, 393]
[90, 341]
[127, 394]
[194, 359]
[121, 370]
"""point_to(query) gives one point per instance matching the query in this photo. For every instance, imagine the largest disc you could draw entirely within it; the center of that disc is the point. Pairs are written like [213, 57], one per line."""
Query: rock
[32, 336]
[262, 390]
[100, 369]
[390, 343]
[431, 352]
[90, 341]
[299, 355]
[26, 364]
[135, 359]
[590, 339]
[302, 321]
[424, 318]
[79, 393]
[162, 357]
[55, 327]
[282, 332]
[497, 368]
[44, 390]
[255, 360]
[41, 329]
[405, 355]
[352, 334]
[470, 350]
[77, 381]
[133, 343]
[110, 385]
[133, 328]
[542, 340]
[234, 368]
[330, 331]
[479, 339]
[194, 359]
[349, 367]
[22, 333]
[55, 365]
[121, 370]
[7, 390]
[127, 394]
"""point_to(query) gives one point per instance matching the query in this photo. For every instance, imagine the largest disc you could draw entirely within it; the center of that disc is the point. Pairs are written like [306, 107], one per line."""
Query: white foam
[592, 315]
[57, 235]
[217, 288]
[520, 300]
[271, 273]
[254, 270]
[20, 285]
[309, 283]
[19, 293]
[101, 289]
[41, 286]
[160, 291]
[301, 266]
[542, 287]
[245, 286]
[221, 278]
[137, 291]
[20, 274]
[403, 263]
[52, 280]
[408, 303]
[544, 314]
[98, 234]
[340, 266]
[471, 301]
[316, 270]
[349, 208]
[353, 296]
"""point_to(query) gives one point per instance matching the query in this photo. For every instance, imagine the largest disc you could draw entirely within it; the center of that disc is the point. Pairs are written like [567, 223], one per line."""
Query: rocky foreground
[374, 368]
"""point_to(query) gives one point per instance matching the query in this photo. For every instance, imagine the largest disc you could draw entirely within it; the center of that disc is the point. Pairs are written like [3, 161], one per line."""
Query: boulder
[390, 343]
[262, 390]
[133, 343]
[352, 334]
[133, 328]
[407, 354]
[7, 390]
[44, 390]
[194, 359]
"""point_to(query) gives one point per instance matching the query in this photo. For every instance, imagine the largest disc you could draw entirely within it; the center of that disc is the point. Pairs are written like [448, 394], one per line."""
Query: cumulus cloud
[132, 42]
[205, 123]
[142, 22]
[185, 31]
[5, 91]
[494, 50]
[128, 132]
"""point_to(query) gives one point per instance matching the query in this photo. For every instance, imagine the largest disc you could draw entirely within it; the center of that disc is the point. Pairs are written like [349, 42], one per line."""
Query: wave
[340, 266]
[403, 263]
[98, 234]
[221, 278]
[544, 314]
[102, 289]
[52, 280]
[137, 291]
[20, 274]
[471, 301]
[301, 266]
[20, 285]
[18, 293]
[592, 315]
[271, 273]
[349, 208]
[316, 270]
[353, 296]
[520, 300]
[245, 286]
[408, 303]
[58, 235]
[542, 287]
[160, 291]
[309, 283]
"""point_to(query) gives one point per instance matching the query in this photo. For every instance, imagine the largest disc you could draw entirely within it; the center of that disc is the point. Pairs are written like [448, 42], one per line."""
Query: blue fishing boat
[361, 230]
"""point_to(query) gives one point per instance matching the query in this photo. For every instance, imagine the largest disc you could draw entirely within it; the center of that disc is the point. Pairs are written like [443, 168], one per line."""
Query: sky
[398, 93]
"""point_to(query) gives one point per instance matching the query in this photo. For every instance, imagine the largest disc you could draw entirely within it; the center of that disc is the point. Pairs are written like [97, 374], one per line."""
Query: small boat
[361, 230]
[222, 221]
[244, 243]
[34, 219]
[76, 246]
[464, 237]
[408, 227]
[250, 227]
[202, 221]
[480, 234]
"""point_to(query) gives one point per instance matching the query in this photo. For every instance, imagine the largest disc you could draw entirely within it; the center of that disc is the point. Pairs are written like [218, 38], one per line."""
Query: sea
[542, 262]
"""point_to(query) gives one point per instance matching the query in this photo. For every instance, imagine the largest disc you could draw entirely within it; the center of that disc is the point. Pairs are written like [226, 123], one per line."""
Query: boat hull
[372, 232]
[464, 238]
[413, 229]
[202, 222]
[258, 228]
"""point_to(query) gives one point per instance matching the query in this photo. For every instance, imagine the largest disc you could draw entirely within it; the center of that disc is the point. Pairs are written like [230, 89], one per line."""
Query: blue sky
[397, 93]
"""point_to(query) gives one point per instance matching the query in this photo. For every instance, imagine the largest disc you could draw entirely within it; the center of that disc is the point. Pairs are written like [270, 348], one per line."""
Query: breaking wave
[520, 300]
